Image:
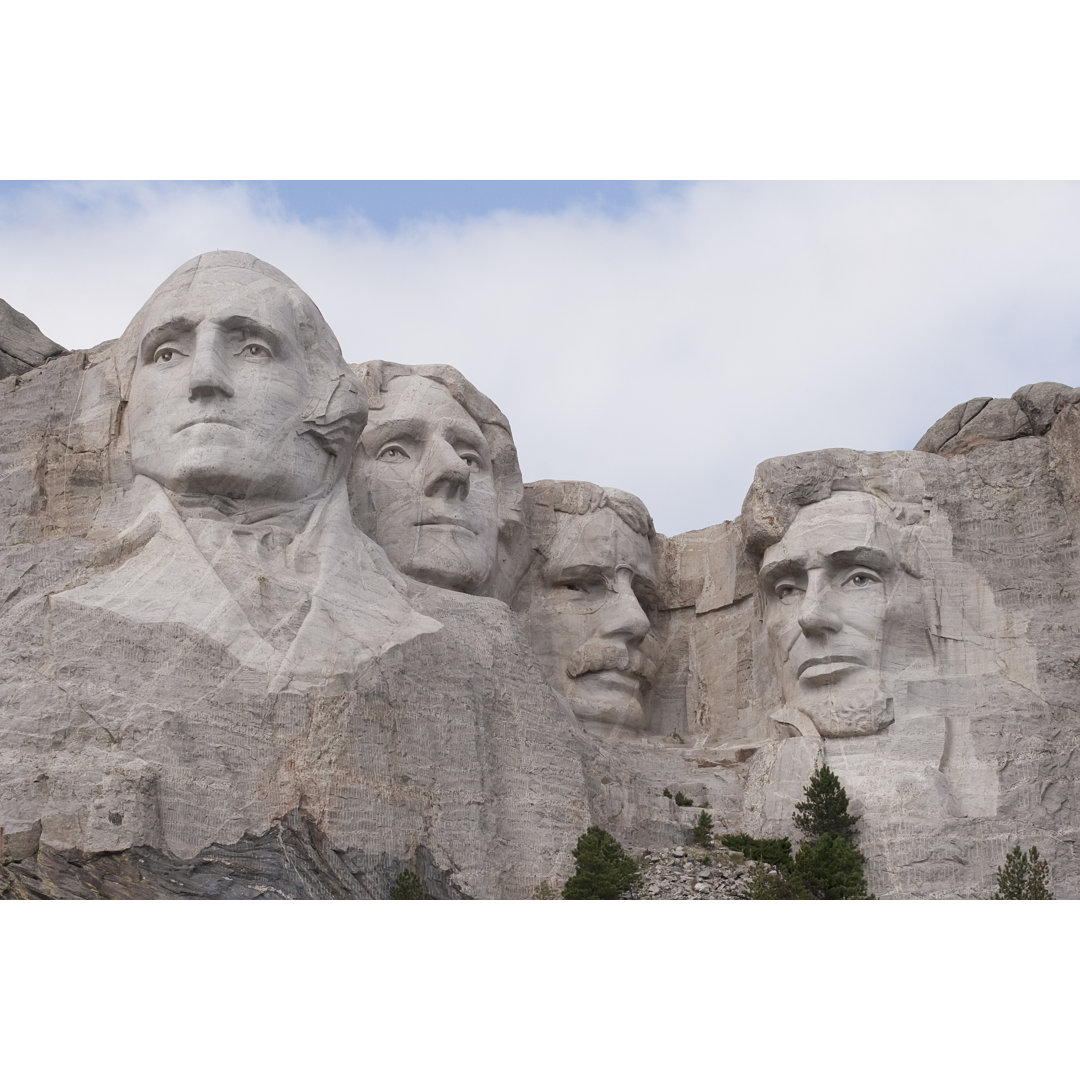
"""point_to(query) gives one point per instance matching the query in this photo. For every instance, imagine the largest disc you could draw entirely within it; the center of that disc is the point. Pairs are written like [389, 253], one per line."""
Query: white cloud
[665, 352]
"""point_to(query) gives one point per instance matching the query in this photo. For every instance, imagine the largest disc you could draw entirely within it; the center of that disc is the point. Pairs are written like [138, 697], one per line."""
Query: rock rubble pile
[694, 873]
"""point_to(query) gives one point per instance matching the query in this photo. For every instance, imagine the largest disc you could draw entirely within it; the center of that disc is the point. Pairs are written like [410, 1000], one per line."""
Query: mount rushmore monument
[275, 624]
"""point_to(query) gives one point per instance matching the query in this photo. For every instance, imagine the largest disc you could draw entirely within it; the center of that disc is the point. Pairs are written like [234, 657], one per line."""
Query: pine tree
[702, 831]
[604, 870]
[408, 887]
[831, 868]
[825, 811]
[1025, 876]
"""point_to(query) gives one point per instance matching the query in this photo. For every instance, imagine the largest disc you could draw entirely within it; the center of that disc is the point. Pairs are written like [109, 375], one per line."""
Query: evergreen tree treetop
[825, 809]
[1025, 876]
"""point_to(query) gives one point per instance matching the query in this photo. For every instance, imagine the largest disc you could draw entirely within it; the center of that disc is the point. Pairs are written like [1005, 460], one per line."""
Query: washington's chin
[607, 698]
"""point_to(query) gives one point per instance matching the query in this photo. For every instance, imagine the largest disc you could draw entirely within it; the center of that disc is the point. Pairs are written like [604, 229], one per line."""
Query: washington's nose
[209, 369]
[623, 616]
[817, 614]
[445, 472]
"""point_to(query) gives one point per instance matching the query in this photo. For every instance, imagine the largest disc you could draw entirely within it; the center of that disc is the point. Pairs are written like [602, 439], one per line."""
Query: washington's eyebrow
[166, 330]
[246, 325]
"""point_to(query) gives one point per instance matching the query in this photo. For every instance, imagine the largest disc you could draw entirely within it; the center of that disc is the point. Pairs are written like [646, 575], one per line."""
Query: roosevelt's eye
[786, 592]
[392, 453]
[254, 350]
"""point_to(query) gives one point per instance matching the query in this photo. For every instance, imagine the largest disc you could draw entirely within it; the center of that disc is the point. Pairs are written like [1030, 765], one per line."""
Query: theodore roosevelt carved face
[430, 486]
[843, 610]
[588, 599]
[226, 373]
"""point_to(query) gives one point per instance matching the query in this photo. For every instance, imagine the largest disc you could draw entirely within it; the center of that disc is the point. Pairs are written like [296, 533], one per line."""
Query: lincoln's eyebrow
[165, 331]
[874, 558]
[773, 571]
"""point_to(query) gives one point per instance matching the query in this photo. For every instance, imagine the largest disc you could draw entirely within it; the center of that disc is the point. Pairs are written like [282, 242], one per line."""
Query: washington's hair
[336, 410]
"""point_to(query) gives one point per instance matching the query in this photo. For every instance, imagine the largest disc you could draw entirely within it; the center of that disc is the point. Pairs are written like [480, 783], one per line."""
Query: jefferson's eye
[254, 351]
[392, 453]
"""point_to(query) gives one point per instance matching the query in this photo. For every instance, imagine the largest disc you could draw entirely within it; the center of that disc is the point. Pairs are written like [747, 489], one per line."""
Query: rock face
[256, 635]
[23, 346]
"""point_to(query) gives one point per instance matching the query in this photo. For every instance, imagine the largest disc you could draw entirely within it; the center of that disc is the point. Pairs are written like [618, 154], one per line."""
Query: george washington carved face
[221, 385]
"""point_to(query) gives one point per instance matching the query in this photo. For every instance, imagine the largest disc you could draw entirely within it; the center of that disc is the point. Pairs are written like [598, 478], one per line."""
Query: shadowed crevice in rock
[290, 861]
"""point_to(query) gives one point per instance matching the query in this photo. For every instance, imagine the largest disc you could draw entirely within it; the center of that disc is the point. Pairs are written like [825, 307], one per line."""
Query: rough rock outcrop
[215, 682]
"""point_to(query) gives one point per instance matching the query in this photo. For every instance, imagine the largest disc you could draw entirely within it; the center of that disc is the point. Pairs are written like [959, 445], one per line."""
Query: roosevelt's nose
[445, 471]
[209, 373]
[817, 610]
[623, 616]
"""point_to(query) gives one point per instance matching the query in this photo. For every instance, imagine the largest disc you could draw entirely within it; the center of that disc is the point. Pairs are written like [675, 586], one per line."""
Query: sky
[658, 337]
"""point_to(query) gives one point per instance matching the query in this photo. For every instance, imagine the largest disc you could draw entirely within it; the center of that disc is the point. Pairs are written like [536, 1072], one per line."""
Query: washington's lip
[823, 661]
[208, 420]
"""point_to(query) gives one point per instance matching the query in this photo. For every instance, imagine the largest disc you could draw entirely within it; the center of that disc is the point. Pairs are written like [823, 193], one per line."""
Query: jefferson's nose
[209, 368]
[817, 611]
[445, 471]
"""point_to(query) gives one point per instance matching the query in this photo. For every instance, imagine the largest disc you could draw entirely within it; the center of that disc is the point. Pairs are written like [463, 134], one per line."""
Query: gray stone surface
[233, 663]
[22, 345]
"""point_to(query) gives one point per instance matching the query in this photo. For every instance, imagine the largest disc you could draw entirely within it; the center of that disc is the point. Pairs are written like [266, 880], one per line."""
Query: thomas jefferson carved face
[841, 613]
[588, 617]
[430, 489]
[220, 384]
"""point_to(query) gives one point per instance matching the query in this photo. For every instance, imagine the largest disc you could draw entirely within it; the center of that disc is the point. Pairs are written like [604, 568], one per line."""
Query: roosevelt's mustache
[610, 656]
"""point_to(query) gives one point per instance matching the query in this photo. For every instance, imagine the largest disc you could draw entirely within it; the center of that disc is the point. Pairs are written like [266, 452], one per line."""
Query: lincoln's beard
[859, 711]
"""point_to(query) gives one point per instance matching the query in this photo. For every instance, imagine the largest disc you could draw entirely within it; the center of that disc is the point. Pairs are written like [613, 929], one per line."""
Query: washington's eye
[392, 453]
[164, 355]
[253, 350]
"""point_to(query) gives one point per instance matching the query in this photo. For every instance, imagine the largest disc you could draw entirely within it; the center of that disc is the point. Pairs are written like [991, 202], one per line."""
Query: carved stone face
[430, 489]
[219, 387]
[840, 612]
[588, 617]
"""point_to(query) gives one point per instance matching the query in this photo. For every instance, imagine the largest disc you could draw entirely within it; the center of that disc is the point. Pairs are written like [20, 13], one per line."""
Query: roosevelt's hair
[336, 410]
[546, 499]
